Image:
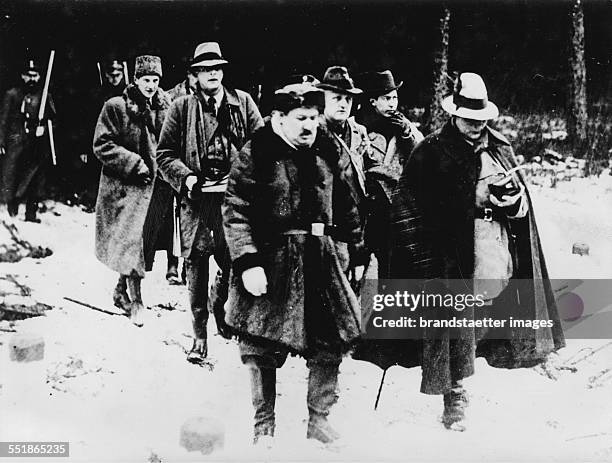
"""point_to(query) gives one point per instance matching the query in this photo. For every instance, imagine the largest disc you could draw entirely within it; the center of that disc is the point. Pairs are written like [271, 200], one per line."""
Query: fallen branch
[93, 307]
[592, 353]
[588, 436]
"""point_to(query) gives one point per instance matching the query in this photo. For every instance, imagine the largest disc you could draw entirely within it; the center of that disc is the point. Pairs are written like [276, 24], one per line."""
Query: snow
[120, 393]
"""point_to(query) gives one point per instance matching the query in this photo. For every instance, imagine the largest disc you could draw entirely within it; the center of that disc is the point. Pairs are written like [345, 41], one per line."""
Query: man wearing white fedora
[462, 212]
[201, 137]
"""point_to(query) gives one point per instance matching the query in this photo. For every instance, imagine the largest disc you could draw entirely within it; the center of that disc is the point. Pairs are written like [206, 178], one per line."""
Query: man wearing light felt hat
[201, 137]
[448, 224]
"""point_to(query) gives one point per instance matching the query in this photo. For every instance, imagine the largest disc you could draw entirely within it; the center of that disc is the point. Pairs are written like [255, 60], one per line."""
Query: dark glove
[399, 122]
[359, 254]
[141, 175]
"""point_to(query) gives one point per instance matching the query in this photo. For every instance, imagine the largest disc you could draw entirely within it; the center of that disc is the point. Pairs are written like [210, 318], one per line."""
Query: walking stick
[176, 235]
[382, 381]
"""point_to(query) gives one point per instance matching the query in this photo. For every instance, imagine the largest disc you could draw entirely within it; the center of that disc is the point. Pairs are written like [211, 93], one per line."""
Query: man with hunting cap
[201, 137]
[462, 213]
[392, 137]
[24, 143]
[286, 210]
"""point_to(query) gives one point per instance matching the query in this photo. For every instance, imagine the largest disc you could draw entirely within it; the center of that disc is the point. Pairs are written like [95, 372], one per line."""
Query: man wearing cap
[286, 208]
[125, 140]
[200, 139]
[392, 137]
[463, 214]
[24, 143]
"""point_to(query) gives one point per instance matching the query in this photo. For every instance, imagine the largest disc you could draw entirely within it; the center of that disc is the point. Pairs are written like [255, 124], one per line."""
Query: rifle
[41, 110]
[125, 73]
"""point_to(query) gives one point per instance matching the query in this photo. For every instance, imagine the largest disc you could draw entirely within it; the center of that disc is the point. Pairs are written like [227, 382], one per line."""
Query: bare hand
[40, 130]
[255, 281]
[358, 272]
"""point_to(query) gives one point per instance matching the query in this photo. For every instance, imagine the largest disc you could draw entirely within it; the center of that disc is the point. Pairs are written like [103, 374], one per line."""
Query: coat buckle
[317, 229]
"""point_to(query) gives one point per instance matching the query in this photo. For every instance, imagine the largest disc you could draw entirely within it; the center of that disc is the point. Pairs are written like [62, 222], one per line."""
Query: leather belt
[316, 229]
[488, 214]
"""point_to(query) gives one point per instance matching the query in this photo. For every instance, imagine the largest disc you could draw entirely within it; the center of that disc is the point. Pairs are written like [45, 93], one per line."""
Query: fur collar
[136, 104]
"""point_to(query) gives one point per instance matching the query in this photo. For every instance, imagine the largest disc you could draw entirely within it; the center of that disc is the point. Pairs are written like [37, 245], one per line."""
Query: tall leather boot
[136, 307]
[322, 385]
[120, 295]
[263, 393]
[455, 403]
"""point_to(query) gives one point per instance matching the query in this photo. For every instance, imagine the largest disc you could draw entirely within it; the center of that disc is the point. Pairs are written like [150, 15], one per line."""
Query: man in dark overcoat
[24, 143]
[450, 223]
[200, 139]
[289, 217]
[392, 138]
[125, 140]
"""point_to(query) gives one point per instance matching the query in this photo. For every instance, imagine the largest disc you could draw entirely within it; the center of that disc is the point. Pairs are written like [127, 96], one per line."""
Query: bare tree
[578, 99]
[440, 72]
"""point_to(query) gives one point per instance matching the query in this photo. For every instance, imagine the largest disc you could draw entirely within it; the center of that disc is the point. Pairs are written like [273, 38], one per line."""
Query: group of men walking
[294, 206]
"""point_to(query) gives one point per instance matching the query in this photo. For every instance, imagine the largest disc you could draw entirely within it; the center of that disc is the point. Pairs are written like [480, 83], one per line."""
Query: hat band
[469, 103]
[207, 57]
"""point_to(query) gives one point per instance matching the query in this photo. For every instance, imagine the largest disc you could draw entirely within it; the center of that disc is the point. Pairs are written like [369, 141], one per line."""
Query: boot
[136, 307]
[322, 384]
[263, 393]
[198, 352]
[455, 403]
[120, 295]
[31, 210]
[172, 271]
[13, 208]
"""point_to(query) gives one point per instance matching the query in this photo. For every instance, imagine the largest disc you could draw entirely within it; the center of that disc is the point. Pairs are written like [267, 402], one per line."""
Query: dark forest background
[520, 47]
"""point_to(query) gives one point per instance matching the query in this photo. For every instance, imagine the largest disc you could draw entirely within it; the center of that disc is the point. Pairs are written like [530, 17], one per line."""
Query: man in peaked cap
[202, 135]
[392, 137]
[288, 216]
[24, 143]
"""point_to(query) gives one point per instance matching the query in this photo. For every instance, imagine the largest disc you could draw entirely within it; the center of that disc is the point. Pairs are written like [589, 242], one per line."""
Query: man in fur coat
[392, 138]
[200, 139]
[289, 218]
[125, 140]
[24, 143]
[459, 213]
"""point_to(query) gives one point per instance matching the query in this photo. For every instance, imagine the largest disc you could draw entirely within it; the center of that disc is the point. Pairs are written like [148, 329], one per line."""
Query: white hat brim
[489, 112]
[209, 63]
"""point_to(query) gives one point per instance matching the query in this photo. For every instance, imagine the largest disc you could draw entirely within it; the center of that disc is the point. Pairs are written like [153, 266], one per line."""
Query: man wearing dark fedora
[24, 143]
[462, 212]
[392, 137]
[200, 139]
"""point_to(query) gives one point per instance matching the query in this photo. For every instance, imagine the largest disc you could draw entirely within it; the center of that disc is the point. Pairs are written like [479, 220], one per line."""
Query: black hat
[378, 83]
[31, 66]
[337, 79]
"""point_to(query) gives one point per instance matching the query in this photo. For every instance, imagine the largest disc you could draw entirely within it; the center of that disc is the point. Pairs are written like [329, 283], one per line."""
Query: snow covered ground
[120, 393]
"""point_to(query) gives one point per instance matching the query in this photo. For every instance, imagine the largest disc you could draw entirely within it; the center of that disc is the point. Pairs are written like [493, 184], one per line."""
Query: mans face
[114, 77]
[147, 85]
[300, 126]
[210, 78]
[470, 128]
[30, 78]
[337, 106]
[385, 104]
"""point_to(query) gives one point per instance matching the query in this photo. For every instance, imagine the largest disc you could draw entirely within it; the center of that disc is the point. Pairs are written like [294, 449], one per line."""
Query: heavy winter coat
[25, 154]
[126, 137]
[274, 188]
[182, 151]
[433, 215]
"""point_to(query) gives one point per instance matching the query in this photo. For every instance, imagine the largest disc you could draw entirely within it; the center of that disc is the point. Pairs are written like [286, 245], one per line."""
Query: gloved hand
[255, 281]
[509, 203]
[141, 174]
[400, 122]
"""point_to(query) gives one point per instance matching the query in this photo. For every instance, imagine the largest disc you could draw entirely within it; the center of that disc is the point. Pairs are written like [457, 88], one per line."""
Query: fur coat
[126, 137]
[274, 188]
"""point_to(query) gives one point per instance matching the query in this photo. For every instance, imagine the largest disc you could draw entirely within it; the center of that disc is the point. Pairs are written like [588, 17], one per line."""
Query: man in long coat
[289, 217]
[200, 139]
[24, 143]
[125, 140]
[450, 223]
[392, 138]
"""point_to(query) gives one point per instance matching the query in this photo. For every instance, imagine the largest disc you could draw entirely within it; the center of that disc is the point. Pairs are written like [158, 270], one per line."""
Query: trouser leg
[136, 306]
[197, 284]
[120, 296]
[322, 394]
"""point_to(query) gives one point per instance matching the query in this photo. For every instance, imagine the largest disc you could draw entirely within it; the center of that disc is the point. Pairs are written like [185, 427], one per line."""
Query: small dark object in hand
[504, 187]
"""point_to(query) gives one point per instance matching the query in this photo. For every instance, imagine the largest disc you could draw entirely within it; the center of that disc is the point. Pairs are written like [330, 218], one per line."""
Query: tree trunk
[437, 115]
[578, 99]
